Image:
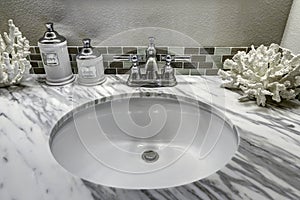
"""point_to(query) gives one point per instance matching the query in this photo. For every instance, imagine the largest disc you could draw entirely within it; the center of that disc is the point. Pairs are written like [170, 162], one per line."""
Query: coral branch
[14, 50]
[265, 71]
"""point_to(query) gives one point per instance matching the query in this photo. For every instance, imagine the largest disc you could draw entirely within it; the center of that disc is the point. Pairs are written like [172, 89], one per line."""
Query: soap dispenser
[90, 65]
[55, 57]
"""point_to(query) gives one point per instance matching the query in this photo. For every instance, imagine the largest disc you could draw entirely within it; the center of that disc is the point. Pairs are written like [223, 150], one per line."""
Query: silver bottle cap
[51, 36]
[88, 52]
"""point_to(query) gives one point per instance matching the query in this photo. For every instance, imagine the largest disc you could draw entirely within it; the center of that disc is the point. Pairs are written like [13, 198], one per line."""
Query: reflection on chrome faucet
[151, 66]
[150, 76]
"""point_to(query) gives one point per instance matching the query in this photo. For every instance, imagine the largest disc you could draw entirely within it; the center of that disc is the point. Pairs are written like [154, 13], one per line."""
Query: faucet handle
[134, 59]
[180, 58]
[168, 59]
[121, 58]
[168, 72]
[131, 58]
[135, 71]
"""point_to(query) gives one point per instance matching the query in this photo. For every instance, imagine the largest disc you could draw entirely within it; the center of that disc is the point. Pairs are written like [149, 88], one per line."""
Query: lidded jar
[90, 65]
[55, 57]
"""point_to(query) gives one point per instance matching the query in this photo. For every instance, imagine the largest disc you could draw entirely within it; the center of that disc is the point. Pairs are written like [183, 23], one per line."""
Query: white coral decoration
[13, 52]
[265, 71]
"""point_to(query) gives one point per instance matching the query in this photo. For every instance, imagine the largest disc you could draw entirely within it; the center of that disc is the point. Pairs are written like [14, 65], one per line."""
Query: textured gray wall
[210, 23]
[291, 34]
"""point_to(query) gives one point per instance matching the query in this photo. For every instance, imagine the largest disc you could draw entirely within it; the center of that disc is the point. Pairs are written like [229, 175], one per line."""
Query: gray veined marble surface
[266, 166]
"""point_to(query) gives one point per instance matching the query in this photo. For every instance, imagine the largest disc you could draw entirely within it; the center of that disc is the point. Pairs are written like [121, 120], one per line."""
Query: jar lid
[88, 52]
[51, 36]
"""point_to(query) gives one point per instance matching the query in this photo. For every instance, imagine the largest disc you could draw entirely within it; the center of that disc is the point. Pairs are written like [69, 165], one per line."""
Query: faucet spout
[151, 66]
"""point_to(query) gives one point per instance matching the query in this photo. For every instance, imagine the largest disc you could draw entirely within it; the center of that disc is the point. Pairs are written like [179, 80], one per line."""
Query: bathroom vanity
[265, 166]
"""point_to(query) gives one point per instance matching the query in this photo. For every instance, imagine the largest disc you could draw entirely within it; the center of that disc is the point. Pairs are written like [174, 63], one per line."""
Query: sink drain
[150, 156]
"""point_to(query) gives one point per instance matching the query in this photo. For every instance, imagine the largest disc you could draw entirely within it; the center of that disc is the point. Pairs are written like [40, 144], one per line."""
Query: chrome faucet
[151, 76]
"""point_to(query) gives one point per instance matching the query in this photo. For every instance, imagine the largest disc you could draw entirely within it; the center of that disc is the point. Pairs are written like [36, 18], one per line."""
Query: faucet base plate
[152, 83]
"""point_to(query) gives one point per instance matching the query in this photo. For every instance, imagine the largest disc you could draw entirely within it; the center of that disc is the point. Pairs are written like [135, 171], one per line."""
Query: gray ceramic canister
[55, 57]
[90, 65]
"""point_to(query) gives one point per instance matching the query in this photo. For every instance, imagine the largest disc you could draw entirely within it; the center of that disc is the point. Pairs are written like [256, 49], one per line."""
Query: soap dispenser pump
[55, 57]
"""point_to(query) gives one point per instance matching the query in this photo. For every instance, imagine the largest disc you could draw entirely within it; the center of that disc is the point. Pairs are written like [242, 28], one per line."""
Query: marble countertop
[266, 166]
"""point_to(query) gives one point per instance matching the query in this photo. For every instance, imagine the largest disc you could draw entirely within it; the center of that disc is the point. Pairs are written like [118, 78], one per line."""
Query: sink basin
[143, 141]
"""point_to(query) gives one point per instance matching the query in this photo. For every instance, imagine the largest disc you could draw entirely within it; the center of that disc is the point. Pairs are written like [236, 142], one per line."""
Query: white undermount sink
[143, 141]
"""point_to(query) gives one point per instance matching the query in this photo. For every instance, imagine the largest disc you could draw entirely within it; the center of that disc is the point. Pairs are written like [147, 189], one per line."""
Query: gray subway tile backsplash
[222, 51]
[110, 71]
[197, 72]
[72, 57]
[190, 50]
[127, 65]
[75, 70]
[72, 50]
[235, 50]
[32, 50]
[108, 57]
[34, 64]
[206, 65]
[37, 49]
[177, 64]
[208, 50]
[162, 50]
[190, 65]
[102, 50]
[39, 70]
[114, 50]
[141, 50]
[106, 65]
[225, 57]
[204, 60]
[211, 72]
[116, 65]
[176, 50]
[73, 64]
[218, 65]
[182, 71]
[36, 57]
[122, 71]
[213, 58]
[40, 63]
[198, 58]
[129, 50]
